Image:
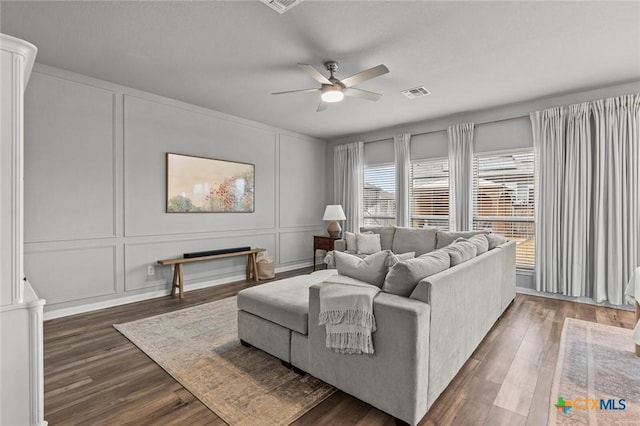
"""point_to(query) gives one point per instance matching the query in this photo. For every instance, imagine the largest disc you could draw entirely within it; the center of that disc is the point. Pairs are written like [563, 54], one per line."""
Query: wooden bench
[178, 277]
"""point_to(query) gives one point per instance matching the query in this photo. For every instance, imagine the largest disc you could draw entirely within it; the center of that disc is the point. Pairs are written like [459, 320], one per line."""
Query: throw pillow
[368, 243]
[386, 235]
[372, 269]
[350, 240]
[495, 240]
[460, 252]
[404, 276]
[395, 258]
[480, 241]
[444, 238]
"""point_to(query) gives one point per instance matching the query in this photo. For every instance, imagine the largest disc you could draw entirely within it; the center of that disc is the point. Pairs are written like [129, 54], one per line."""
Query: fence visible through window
[504, 200]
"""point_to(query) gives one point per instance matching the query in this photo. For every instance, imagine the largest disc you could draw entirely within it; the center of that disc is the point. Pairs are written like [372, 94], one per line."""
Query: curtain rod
[444, 130]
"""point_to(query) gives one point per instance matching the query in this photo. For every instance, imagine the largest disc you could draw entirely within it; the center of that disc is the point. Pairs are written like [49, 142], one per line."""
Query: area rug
[597, 377]
[199, 347]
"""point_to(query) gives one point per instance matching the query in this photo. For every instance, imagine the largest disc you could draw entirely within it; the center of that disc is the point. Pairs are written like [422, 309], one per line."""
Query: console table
[178, 277]
[322, 242]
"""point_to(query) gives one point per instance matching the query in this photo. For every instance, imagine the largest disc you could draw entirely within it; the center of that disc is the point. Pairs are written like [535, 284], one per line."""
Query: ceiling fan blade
[322, 106]
[296, 91]
[365, 75]
[363, 94]
[315, 74]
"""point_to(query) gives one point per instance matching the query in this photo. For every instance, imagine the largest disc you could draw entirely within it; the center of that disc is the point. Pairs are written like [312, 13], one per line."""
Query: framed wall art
[209, 185]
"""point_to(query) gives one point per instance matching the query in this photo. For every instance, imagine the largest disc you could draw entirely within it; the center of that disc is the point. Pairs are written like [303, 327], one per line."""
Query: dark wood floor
[94, 375]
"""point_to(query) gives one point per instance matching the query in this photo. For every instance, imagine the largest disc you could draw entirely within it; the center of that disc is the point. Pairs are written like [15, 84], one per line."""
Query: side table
[322, 242]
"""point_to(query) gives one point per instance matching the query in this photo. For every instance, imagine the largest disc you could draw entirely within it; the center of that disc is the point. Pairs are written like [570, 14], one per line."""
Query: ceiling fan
[334, 90]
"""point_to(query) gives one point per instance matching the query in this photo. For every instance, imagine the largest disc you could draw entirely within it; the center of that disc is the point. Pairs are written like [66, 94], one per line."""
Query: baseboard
[80, 309]
[585, 300]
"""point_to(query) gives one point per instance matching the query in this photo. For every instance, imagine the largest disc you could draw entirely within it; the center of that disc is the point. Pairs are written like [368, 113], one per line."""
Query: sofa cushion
[372, 269]
[368, 243]
[386, 235]
[495, 240]
[420, 240]
[284, 302]
[404, 276]
[480, 241]
[395, 258]
[444, 238]
[460, 252]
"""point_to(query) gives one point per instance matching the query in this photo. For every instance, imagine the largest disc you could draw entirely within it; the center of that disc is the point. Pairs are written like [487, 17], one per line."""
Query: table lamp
[334, 212]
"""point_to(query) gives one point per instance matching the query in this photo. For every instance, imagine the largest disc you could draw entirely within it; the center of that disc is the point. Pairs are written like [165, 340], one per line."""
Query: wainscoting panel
[69, 167]
[151, 129]
[296, 246]
[67, 275]
[302, 182]
[138, 257]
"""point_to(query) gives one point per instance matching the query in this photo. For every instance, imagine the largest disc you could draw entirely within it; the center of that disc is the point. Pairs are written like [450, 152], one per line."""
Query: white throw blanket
[346, 310]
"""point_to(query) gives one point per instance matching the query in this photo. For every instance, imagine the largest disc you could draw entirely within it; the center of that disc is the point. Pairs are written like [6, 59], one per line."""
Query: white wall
[95, 191]
[500, 128]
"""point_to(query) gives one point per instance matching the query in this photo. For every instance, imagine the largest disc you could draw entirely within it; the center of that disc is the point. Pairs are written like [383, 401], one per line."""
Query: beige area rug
[596, 369]
[199, 347]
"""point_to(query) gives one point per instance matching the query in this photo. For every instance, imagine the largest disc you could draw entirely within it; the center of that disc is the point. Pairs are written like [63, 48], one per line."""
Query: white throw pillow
[395, 258]
[368, 243]
[350, 239]
[372, 269]
[480, 241]
[495, 240]
[404, 276]
[460, 252]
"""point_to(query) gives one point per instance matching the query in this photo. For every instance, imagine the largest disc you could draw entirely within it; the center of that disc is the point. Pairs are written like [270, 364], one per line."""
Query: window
[379, 195]
[504, 199]
[429, 193]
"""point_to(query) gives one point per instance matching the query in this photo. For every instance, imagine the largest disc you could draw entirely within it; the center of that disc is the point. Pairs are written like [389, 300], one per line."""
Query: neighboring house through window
[429, 193]
[379, 202]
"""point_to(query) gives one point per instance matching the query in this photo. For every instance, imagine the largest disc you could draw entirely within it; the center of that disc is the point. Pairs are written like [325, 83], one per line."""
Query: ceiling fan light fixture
[332, 94]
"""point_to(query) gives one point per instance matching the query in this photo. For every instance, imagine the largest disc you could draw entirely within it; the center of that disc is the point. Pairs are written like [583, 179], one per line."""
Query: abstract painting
[208, 185]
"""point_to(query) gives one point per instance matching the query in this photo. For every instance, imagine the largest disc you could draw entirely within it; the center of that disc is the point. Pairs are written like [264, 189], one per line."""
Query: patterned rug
[597, 377]
[199, 347]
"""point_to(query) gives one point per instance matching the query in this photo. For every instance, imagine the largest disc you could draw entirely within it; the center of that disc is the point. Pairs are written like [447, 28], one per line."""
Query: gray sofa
[421, 341]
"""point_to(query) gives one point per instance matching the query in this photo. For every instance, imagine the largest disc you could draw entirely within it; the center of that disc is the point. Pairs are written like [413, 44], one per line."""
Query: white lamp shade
[334, 212]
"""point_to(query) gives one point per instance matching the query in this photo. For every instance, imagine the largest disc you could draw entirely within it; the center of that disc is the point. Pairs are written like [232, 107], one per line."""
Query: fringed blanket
[346, 310]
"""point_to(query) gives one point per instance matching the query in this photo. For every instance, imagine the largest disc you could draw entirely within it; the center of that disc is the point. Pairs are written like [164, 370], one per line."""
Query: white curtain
[548, 146]
[588, 197]
[576, 206]
[616, 193]
[402, 150]
[348, 168]
[460, 176]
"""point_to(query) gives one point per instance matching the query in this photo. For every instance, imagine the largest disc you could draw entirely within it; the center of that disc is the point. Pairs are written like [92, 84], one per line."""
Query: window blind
[504, 199]
[429, 193]
[379, 195]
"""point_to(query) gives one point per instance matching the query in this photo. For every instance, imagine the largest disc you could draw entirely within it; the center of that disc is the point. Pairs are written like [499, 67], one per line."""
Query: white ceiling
[230, 55]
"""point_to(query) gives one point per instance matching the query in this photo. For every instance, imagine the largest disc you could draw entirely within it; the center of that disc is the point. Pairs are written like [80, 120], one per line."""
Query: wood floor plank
[93, 375]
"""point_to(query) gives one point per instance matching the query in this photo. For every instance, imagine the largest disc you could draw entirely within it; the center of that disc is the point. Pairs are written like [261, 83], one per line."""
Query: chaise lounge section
[421, 341]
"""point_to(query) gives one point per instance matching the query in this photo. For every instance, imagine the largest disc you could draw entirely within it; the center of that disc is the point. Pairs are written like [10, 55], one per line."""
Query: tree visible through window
[429, 193]
[504, 199]
[379, 203]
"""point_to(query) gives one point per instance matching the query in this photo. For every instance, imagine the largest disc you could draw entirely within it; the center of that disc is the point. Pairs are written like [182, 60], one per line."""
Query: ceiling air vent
[281, 6]
[416, 92]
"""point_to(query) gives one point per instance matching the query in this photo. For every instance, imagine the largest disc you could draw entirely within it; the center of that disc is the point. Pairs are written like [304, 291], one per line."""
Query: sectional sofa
[421, 341]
